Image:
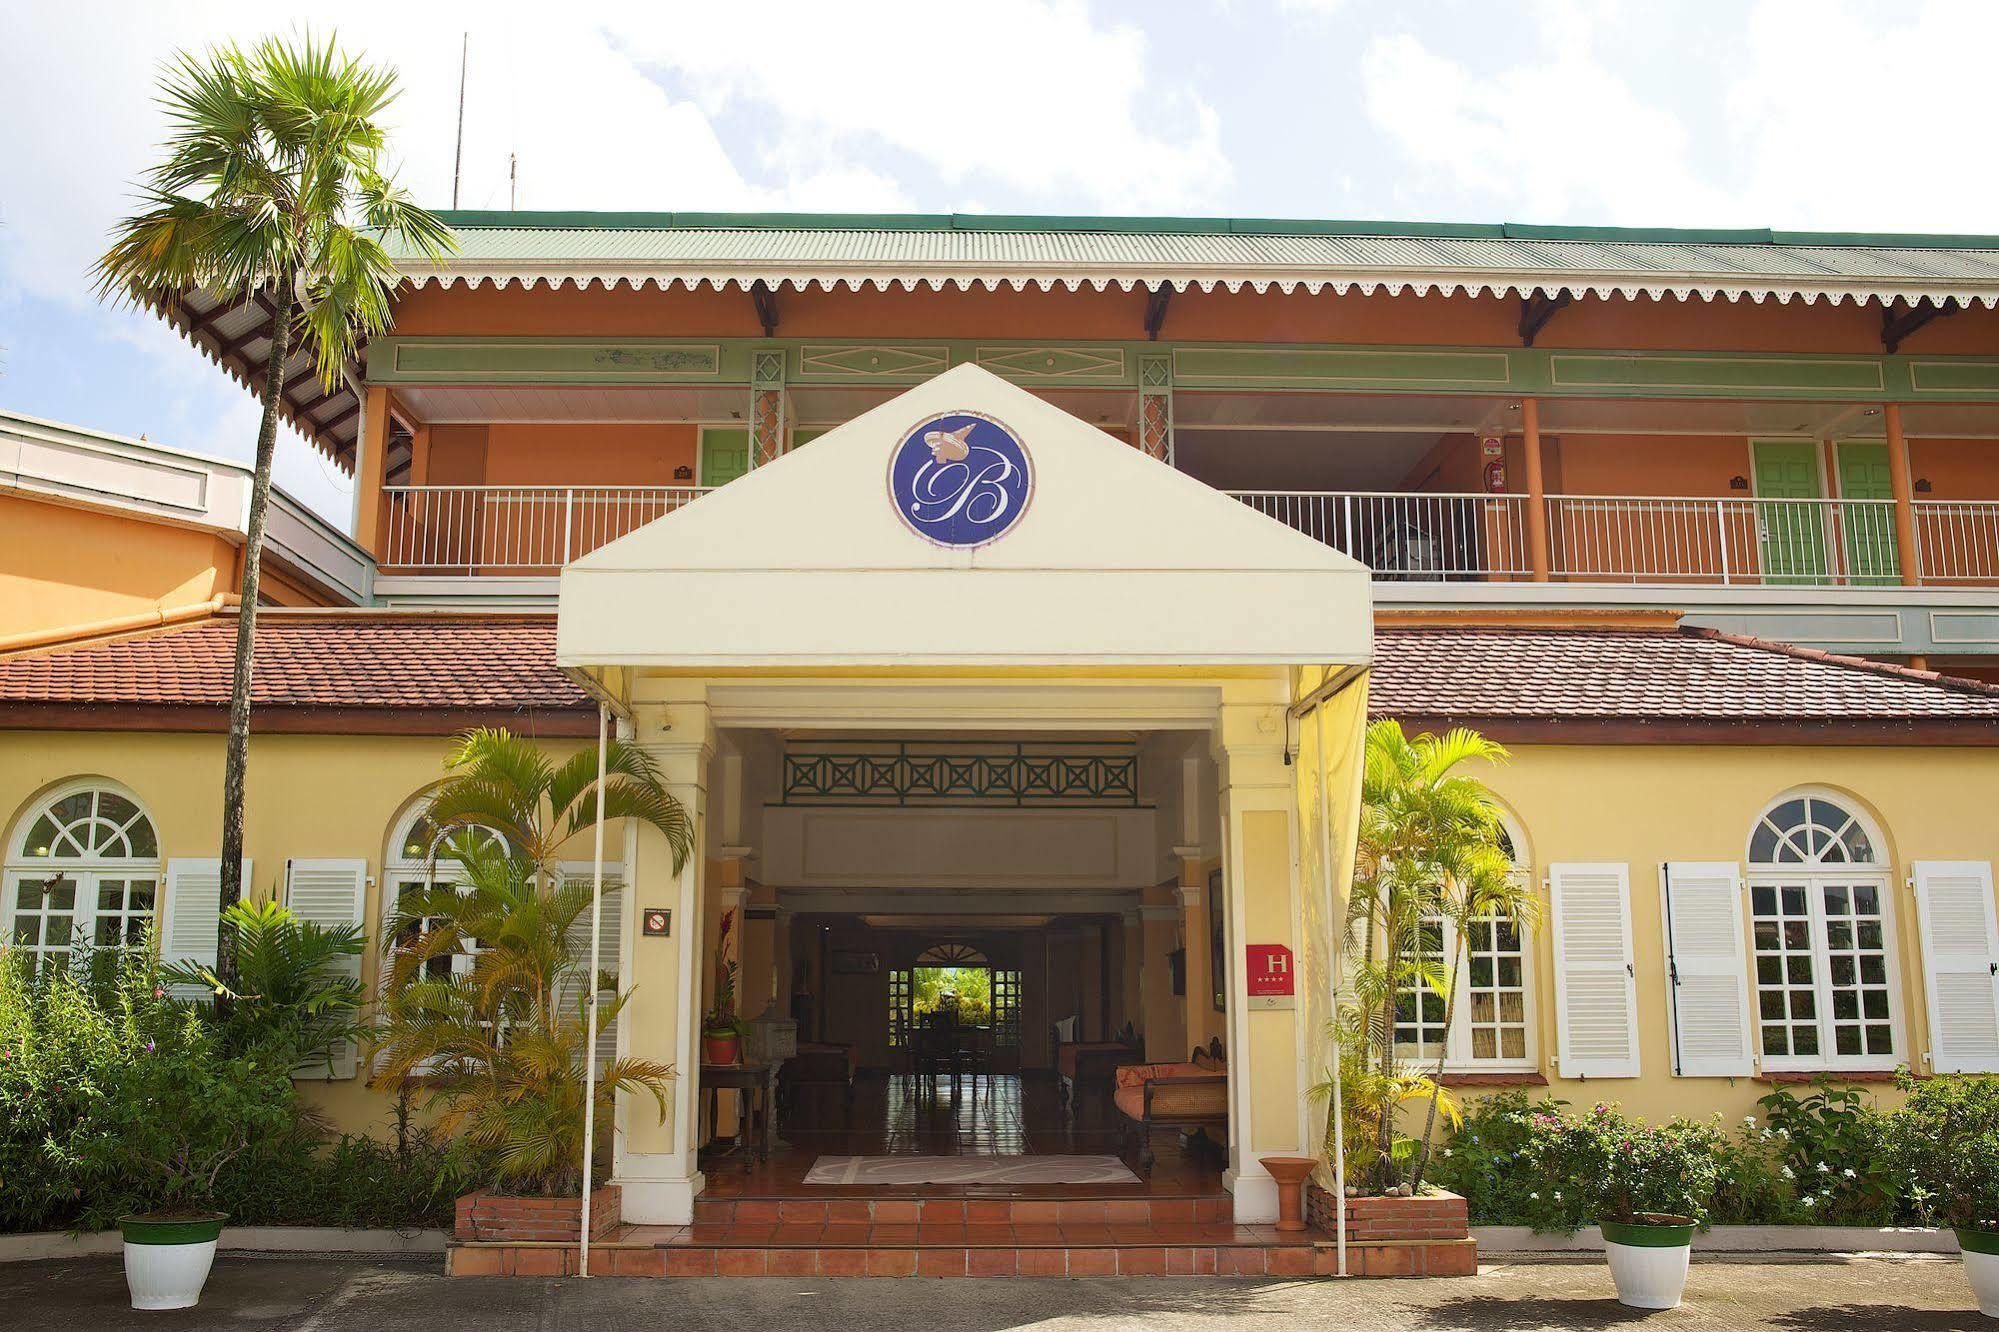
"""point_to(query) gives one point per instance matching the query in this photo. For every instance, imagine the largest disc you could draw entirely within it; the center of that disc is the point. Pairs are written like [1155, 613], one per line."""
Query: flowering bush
[1488, 1162]
[1945, 1144]
[1828, 1147]
[1624, 1170]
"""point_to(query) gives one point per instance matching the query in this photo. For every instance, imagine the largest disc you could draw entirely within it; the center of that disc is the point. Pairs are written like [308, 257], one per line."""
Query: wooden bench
[1192, 1097]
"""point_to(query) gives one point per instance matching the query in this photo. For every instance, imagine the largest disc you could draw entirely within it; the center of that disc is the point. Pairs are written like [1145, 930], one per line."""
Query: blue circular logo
[960, 479]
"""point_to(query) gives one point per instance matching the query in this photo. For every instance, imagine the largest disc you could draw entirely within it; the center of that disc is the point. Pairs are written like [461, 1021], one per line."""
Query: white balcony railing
[1409, 536]
[525, 530]
[1958, 540]
[1730, 541]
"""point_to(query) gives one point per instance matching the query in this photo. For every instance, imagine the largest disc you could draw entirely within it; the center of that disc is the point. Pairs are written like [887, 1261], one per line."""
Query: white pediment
[1115, 559]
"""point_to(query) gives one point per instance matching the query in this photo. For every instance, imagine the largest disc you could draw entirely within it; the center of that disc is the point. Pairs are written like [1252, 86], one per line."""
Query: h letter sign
[1268, 976]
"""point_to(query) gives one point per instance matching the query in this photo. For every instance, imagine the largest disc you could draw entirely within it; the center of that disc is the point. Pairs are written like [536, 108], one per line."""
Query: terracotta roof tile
[333, 660]
[1681, 674]
[507, 663]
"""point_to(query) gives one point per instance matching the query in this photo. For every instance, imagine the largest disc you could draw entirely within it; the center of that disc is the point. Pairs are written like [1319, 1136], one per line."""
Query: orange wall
[1194, 316]
[519, 454]
[1956, 468]
[65, 567]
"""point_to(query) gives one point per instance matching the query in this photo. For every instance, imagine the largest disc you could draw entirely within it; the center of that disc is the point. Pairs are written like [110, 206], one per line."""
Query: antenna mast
[458, 153]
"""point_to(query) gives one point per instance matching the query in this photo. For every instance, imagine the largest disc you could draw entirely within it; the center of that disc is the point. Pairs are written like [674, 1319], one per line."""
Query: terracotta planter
[1290, 1172]
[721, 1049]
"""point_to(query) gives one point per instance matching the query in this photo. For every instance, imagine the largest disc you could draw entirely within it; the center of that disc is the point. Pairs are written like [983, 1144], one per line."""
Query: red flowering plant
[1622, 1170]
[721, 1019]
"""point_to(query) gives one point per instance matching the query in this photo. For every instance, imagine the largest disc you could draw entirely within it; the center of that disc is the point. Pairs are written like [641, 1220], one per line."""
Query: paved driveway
[1906, 1294]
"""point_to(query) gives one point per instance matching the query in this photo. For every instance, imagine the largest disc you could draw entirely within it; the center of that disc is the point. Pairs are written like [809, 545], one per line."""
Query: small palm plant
[494, 1050]
[1431, 855]
[295, 990]
[490, 1041]
[274, 186]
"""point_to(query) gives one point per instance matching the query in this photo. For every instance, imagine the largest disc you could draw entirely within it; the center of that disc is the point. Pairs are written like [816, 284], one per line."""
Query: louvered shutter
[1707, 973]
[1960, 963]
[191, 917]
[330, 893]
[1596, 998]
[610, 950]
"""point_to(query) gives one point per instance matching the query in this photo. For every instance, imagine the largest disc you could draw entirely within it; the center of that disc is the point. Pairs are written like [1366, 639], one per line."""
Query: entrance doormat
[969, 1170]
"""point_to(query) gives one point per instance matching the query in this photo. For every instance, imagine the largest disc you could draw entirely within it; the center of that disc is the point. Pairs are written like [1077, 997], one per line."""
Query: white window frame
[1458, 1056]
[1815, 876]
[87, 872]
[440, 871]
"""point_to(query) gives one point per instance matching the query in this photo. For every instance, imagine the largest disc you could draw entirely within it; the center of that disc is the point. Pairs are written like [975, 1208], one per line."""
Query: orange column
[1537, 493]
[1904, 493]
[370, 464]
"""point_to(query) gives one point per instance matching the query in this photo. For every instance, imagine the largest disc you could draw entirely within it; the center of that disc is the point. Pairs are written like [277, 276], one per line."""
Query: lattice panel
[910, 774]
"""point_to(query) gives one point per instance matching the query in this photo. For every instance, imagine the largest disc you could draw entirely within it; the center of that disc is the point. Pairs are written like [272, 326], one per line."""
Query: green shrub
[1828, 1145]
[1945, 1143]
[1625, 1170]
[353, 1182]
[1487, 1160]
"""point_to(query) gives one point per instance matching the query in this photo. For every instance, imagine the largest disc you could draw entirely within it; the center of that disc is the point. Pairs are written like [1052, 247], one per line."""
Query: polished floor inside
[990, 1114]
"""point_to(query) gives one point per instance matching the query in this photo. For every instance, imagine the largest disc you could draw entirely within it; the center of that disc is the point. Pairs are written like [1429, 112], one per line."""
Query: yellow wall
[1648, 804]
[339, 796]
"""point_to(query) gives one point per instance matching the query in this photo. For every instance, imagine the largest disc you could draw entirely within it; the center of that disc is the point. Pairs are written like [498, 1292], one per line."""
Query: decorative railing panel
[523, 530]
[1415, 537]
[999, 774]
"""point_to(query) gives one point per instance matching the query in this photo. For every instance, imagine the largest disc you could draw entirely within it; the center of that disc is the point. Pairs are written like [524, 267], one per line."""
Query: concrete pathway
[1904, 1293]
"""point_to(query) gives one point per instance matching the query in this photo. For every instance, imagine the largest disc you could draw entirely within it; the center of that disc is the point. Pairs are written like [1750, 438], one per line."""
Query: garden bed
[1422, 1236]
[35, 1245]
[1733, 1239]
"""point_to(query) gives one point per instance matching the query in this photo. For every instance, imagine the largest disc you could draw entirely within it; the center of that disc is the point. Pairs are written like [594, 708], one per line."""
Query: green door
[1870, 528]
[1792, 536]
[725, 454]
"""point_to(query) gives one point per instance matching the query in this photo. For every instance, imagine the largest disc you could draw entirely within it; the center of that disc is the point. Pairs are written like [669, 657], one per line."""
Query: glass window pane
[1846, 1039]
[1763, 846]
[42, 841]
[1880, 1039]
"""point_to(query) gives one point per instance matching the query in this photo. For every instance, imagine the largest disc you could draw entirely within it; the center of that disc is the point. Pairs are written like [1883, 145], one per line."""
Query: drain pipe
[590, 1028]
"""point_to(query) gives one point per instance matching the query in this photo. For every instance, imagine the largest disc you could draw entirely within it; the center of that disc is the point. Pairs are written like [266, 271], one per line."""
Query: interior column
[1202, 1022]
[1537, 493]
[657, 1164]
[1266, 1098]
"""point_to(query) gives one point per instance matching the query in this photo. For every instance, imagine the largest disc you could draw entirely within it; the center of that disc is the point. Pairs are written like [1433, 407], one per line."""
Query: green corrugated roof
[467, 219]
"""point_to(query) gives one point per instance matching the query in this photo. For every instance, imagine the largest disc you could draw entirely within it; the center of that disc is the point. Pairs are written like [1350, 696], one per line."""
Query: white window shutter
[1960, 963]
[191, 918]
[1596, 997]
[329, 893]
[610, 944]
[1707, 970]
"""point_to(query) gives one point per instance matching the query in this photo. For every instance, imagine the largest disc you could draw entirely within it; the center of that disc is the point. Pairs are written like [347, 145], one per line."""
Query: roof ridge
[1892, 670]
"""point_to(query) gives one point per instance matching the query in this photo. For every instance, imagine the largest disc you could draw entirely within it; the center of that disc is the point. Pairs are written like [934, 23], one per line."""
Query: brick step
[1124, 1211]
[1439, 1258]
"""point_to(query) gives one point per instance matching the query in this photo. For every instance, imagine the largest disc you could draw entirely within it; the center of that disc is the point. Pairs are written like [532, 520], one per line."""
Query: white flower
[1447, 1151]
[1848, 1172]
[1749, 1120]
[1535, 1196]
[1558, 1197]
[1824, 1169]
[1788, 1174]
[1810, 1201]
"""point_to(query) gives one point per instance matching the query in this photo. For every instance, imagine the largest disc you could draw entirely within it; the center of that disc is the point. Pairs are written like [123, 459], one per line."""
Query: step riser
[1437, 1259]
[955, 1212]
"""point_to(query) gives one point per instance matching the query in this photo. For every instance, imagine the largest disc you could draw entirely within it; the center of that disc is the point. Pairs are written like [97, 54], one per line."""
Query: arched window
[418, 859]
[1821, 934]
[83, 869]
[1491, 1027]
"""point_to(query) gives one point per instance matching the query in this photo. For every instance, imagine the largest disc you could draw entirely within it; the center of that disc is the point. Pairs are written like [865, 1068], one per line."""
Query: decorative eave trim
[1048, 277]
[280, 719]
[1864, 732]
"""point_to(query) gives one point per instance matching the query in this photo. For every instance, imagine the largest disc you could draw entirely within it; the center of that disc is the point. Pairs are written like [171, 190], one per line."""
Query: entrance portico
[967, 562]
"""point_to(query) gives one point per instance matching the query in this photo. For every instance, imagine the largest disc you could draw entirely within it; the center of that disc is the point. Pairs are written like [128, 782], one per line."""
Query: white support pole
[590, 982]
[1339, 942]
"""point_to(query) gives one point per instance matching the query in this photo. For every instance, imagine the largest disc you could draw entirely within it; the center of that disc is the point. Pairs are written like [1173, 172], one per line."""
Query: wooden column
[1537, 493]
[371, 452]
[1904, 493]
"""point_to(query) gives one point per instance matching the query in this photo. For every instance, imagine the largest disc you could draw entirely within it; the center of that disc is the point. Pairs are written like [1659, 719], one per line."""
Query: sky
[1805, 114]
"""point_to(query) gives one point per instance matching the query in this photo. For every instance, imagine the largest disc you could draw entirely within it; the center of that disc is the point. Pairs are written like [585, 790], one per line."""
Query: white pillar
[658, 1164]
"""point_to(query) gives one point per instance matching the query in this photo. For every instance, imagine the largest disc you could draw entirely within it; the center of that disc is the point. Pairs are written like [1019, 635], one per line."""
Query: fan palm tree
[273, 187]
[496, 1049]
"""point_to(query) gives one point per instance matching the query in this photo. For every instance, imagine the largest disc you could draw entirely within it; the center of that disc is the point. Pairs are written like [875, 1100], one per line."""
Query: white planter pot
[1982, 1270]
[1651, 1274]
[167, 1262]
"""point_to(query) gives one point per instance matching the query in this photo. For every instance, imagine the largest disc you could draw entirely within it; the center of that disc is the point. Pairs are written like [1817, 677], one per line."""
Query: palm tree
[503, 783]
[1430, 855]
[272, 186]
[495, 1051]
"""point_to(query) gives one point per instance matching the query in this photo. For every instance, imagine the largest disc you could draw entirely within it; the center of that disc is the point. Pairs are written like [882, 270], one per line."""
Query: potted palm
[1945, 1141]
[721, 1028]
[1648, 1187]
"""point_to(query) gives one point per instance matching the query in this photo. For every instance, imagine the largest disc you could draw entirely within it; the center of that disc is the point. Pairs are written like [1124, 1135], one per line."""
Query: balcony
[532, 531]
[512, 531]
[1646, 540]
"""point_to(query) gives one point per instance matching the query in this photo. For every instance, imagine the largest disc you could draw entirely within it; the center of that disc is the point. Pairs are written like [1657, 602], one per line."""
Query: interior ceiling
[948, 926]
